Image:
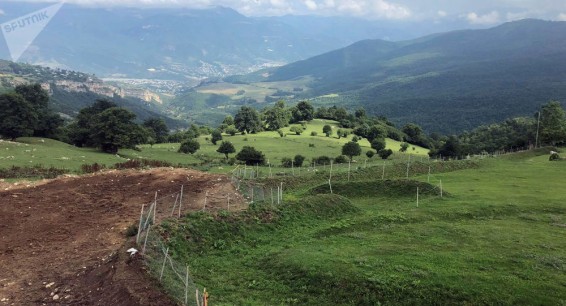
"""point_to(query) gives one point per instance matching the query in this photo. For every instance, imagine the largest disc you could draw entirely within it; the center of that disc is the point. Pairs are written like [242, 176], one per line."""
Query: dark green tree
[48, 122]
[385, 153]
[552, 123]
[247, 120]
[351, 149]
[216, 136]
[81, 131]
[378, 144]
[404, 147]
[158, 129]
[296, 129]
[228, 120]
[250, 156]
[370, 153]
[327, 130]
[303, 111]
[189, 146]
[114, 128]
[277, 117]
[17, 116]
[226, 148]
[298, 160]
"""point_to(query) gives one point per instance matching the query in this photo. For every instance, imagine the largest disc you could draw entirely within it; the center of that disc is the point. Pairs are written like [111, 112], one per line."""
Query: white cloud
[311, 5]
[562, 17]
[442, 13]
[489, 18]
[390, 10]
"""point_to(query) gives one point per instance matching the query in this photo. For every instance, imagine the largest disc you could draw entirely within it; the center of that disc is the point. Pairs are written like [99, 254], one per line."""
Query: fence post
[417, 196]
[140, 226]
[441, 188]
[155, 207]
[187, 287]
[271, 196]
[228, 201]
[197, 297]
[330, 170]
[163, 266]
[205, 198]
[428, 178]
[281, 192]
[329, 184]
[293, 167]
[349, 168]
[174, 205]
[408, 165]
[383, 172]
[181, 200]
[145, 241]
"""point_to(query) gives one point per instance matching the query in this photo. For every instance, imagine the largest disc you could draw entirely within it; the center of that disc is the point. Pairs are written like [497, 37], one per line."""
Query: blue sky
[479, 12]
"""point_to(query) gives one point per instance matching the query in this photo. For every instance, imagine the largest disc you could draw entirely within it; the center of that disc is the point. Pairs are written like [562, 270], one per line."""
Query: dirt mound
[63, 241]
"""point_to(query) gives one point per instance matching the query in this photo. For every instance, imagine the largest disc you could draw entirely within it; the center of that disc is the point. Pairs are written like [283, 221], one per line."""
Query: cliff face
[100, 88]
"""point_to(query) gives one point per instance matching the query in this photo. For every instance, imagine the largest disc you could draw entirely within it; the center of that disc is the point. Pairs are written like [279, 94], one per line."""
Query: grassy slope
[496, 239]
[33, 151]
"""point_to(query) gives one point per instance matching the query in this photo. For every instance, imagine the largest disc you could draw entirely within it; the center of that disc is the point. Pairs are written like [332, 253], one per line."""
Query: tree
[376, 131]
[157, 128]
[277, 116]
[228, 120]
[231, 131]
[114, 129]
[360, 113]
[296, 129]
[385, 153]
[251, 156]
[48, 122]
[303, 111]
[226, 148]
[370, 153]
[247, 120]
[216, 136]
[451, 148]
[327, 130]
[378, 144]
[351, 149]
[81, 131]
[552, 123]
[404, 147]
[17, 116]
[189, 146]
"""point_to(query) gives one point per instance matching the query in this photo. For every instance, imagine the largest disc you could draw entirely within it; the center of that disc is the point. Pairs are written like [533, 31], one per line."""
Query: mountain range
[446, 82]
[188, 44]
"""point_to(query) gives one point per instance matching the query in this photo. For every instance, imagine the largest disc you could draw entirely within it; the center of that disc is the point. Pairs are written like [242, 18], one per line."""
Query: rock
[49, 285]
[55, 297]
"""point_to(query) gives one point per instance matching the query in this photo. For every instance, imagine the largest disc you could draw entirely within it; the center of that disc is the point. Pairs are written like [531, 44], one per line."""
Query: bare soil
[63, 241]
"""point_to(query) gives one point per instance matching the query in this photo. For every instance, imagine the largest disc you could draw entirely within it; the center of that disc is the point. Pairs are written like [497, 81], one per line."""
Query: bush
[385, 153]
[189, 146]
[554, 156]
[297, 130]
[341, 159]
[286, 162]
[314, 133]
[231, 131]
[378, 144]
[322, 160]
[281, 134]
[370, 154]
[355, 139]
[404, 147]
[251, 156]
[298, 160]
[216, 136]
[311, 145]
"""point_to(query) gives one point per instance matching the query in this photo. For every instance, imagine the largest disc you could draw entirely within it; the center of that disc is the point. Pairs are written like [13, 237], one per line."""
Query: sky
[478, 12]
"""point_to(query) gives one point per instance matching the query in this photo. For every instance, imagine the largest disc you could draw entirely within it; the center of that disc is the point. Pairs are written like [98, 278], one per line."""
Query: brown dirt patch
[71, 232]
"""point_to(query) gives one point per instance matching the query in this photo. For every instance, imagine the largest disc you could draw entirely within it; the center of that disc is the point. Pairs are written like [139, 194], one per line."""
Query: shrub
[297, 130]
[385, 153]
[314, 133]
[341, 159]
[378, 144]
[327, 130]
[281, 134]
[216, 136]
[250, 156]
[231, 131]
[311, 145]
[554, 156]
[370, 154]
[351, 149]
[189, 146]
[321, 160]
[286, 162]
[355, 139]
[404, 147]
[298, 160]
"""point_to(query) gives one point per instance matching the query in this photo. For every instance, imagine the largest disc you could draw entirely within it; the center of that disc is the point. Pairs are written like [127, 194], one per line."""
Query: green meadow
[496, 236]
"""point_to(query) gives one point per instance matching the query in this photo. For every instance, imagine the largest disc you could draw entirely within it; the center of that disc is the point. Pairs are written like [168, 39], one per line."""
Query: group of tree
[25, 112]
[511, 134]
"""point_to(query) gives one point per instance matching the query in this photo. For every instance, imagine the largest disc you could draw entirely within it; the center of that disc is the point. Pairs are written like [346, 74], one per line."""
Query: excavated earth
[63, 241]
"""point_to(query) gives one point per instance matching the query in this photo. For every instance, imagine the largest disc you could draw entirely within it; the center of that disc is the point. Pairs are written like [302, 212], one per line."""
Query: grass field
[496, 237]
[50, 153]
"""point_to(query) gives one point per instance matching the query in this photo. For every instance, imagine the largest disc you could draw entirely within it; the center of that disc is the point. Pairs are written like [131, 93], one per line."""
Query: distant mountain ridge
[183, 44]
[446, 82]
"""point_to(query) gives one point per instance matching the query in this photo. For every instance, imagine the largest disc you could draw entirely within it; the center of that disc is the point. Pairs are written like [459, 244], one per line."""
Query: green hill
[446, 82]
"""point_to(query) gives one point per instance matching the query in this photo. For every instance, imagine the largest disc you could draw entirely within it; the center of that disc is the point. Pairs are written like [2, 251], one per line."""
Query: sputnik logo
[20, 33]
